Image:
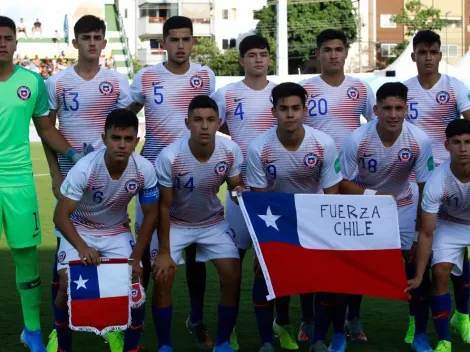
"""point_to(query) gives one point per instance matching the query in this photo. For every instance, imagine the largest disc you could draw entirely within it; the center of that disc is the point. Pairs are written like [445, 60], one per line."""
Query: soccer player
[335, 104]
[165, 91]
[92, 214]
[23, 96]
[445, 227]
[245, 109]
[290, 158]
[190, 172]
[378, 158]
[435, 100]
[81, 97]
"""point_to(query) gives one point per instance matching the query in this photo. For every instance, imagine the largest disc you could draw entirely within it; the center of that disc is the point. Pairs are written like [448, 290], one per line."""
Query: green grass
[385, 322]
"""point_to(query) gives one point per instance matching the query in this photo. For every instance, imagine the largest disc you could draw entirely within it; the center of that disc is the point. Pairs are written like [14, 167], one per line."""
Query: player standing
[81, 97]
[92, 214]
[23, 96]
[435, 100]
[245, 108]
[445, 227]
[380, 157]
[191, 171]
[290, 158]
[165, 91]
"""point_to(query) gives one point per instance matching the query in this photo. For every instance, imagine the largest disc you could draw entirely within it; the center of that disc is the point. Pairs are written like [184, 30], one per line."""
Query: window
[453, 23]
[125, 13]
[386, 22]
[224, 44]
[225, 14]
[387, 50]
[233, 43]
[234, 14]
[450, 50]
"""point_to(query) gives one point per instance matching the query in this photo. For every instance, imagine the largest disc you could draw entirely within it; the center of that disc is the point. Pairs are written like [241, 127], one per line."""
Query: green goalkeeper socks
[28, 283]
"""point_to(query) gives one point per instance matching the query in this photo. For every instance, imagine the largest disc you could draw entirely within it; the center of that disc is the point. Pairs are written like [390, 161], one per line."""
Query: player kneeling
[191, 171]
[92, 214]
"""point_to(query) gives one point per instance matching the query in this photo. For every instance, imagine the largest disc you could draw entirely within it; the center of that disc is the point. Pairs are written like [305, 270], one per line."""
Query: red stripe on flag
[294, 269]
[100, 313]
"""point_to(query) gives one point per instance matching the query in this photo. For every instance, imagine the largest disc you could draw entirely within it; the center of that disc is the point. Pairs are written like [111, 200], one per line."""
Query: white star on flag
[81, 282]
[270, 219]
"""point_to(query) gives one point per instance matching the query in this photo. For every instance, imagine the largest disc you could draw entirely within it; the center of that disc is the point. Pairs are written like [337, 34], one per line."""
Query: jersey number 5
[158, 97]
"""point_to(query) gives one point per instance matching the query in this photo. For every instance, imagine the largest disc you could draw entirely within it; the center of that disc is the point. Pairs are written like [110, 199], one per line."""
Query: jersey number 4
[188, 185]
[239, 111]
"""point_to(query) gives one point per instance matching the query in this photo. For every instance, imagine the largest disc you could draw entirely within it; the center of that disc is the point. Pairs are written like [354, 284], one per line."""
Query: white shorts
[407, 220]
[214, 242]
[449, 244]
[117, 246]
[236, 222]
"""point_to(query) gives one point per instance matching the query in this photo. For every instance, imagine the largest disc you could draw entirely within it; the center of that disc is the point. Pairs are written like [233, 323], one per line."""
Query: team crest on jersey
[196, 82]
[106, 88]
[131, 186]
[24, 93]
[61, 256]
[353, 93]
[311, 160]
[221, 168]
[442, 97]
[405, 155]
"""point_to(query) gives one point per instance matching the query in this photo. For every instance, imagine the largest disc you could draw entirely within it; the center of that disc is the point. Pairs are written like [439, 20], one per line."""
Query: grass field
[384, 321]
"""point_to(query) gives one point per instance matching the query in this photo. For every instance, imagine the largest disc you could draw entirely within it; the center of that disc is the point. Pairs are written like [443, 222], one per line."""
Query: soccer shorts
[449, 244]
[116, 246]
[214, 242]
[236, 222]
[19, 216]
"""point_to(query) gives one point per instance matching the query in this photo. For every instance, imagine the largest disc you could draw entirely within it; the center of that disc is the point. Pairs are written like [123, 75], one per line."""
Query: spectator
[110, 62]
[21, 28]
[37, 27]
[54, 61]
[36, 61]
[44, 72]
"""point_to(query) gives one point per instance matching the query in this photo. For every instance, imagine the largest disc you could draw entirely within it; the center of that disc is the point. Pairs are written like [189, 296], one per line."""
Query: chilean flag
[99, 296]
[335, 243]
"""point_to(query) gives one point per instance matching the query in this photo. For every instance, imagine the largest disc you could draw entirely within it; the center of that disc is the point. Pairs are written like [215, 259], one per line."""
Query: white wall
[129, 22]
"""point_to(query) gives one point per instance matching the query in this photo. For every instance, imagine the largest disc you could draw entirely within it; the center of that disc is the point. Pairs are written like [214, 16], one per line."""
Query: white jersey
[165, 97]
[337, 110]
[433, 109]
[82, 106]
[102, 207]
[247, 113]
[446, 196]
[196, 184]
[368, 163]
[313, 167]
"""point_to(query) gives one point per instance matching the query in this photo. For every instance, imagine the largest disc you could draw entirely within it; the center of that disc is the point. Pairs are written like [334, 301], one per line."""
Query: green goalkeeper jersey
[22, 96]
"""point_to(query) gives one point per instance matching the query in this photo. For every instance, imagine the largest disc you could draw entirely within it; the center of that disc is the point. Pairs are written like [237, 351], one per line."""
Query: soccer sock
[28, 283]
[55, 285]
[462, 288]
[420, 302]
[196, 280]
[282, 310]
[227, 316]
[323, 307]
[263, 311]
[354, 306]
[162, 321]
[306, 304]
[132, 335]
[410, 270]
[440, 306]
[64, 334]
[339, 312]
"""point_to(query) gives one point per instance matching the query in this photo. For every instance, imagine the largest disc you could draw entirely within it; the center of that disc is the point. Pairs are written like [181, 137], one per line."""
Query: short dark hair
[8, 22]
[121, 119]
[203, 102]
[427, 37]
[392, 89]
[457, 128]
[177, 22]
[332, 34]
[89, 23]
[288, 89]
[253, 42]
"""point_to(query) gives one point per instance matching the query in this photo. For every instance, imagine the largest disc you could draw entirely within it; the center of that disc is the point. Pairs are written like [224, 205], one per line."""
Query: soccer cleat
[234, 340]
[305, 331]
[53, 344]
[203, 339]
[286, 336]
[421, 343]
[338, 343]
[223, 347]
[354, 331]
[115, 339]
[461, 323]
[165, 348]
[318, 346]
[410, 334]
[443, 346]
[267, 347]
[32, 340]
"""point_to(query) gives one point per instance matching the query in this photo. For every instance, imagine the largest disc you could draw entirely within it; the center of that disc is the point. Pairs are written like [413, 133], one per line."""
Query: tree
[204, 51]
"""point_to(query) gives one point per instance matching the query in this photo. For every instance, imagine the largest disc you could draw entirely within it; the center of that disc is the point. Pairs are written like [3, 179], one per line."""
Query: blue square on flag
[84, 282]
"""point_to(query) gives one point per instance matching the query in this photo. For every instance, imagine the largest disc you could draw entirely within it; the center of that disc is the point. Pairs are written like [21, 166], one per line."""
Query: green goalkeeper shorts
[19, 216]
